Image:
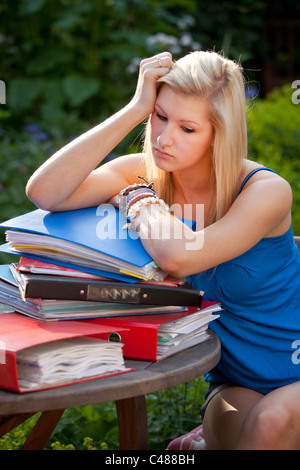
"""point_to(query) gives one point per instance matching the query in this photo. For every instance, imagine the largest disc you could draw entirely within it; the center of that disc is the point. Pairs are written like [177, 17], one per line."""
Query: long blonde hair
[220, 81]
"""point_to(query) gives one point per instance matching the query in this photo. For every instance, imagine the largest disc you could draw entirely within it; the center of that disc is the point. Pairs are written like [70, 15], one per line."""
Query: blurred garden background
[69, 64]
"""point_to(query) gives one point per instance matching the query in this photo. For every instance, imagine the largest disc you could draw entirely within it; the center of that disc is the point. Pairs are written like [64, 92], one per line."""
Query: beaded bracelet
[124, 193]
[128, 189]
[136, 196]
[143, 202]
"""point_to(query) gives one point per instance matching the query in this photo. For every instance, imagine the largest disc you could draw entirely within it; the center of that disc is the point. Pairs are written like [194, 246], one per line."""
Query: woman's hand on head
[151, 70]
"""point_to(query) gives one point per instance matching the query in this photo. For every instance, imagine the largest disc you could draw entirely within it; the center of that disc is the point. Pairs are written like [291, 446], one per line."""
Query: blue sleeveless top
[259, 328]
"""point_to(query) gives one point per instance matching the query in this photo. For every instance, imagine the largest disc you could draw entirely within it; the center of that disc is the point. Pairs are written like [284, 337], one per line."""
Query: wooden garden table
[126, 390]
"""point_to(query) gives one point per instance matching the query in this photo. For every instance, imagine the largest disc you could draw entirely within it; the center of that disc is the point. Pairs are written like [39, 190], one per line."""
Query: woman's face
[181, 132]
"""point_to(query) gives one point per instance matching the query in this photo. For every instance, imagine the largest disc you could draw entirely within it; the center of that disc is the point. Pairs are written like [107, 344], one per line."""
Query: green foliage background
[69, 59]
[69, 64]
[274, 136]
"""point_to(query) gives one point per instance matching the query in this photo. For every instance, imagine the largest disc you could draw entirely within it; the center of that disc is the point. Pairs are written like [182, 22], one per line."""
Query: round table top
[147, 377]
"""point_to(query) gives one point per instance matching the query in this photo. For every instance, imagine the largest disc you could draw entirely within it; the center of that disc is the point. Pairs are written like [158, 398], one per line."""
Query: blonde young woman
[242, 252]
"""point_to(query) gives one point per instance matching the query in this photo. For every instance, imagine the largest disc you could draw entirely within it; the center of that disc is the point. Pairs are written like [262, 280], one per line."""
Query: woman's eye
[188, 130]
[161, 117]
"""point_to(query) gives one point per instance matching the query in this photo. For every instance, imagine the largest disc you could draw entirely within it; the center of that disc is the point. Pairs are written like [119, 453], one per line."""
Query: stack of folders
[82, 265]
[79, 264]
[57, 306]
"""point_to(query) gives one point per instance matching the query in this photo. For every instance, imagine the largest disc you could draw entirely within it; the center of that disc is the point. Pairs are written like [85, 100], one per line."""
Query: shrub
[274, 135]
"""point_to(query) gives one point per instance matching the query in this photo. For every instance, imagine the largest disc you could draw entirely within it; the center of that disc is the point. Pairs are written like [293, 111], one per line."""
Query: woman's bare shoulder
[266, 175]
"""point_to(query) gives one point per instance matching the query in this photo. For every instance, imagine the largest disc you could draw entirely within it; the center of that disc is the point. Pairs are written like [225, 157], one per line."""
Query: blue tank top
[259, 328]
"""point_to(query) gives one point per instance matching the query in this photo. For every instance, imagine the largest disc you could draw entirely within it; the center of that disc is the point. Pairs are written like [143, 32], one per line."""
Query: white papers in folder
[186, 331]
[62, 250]
[66, 361]
[191, 322]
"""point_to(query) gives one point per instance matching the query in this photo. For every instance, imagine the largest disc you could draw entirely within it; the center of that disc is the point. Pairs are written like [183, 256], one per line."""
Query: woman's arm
[67, 180]
[261, 210]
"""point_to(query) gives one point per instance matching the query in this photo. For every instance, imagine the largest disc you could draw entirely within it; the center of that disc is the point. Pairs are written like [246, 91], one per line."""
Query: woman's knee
[225, 416]
[267, 428]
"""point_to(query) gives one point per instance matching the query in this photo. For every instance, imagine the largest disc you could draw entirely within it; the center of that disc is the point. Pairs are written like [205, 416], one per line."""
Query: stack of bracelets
[133, 198]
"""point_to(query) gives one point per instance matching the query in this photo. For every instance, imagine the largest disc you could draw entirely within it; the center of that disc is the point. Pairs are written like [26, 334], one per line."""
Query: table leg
[7, 423]
[43, 429]
[133, 426]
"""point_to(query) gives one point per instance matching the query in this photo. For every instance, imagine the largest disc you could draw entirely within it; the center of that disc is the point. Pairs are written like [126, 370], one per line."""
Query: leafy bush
[79, 57]
[20, 154]
[62, 58]
[174, 412]
[274, 136]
